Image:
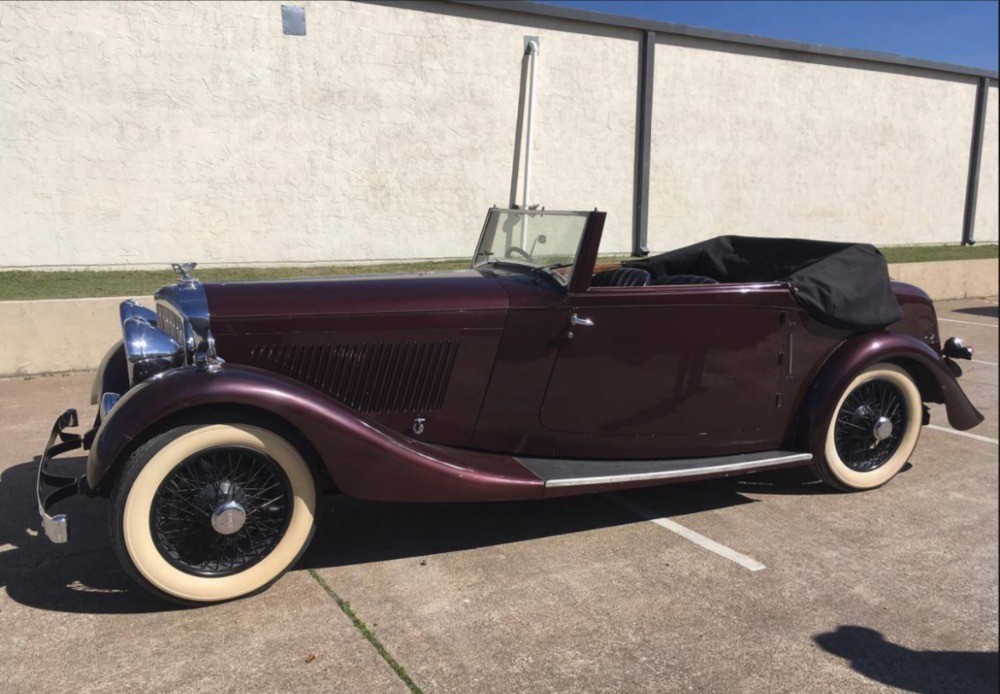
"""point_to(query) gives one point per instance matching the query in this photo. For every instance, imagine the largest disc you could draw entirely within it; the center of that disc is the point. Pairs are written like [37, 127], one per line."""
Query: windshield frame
[548, 270]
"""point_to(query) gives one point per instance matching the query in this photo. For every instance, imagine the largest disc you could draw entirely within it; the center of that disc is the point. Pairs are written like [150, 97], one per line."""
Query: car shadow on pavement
[926, 672]
[351, 532]
[84, 576]
[796, 481]
[79, 576]
[985, 311]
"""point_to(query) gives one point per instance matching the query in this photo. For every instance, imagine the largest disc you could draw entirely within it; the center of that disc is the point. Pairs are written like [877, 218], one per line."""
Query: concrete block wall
[140, 133]
[137, 134]
[989, 181]
[755, 142]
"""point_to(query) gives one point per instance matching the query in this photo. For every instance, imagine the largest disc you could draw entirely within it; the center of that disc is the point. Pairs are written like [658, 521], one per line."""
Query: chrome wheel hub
[882, 429]
[228, 518]
[870, 425]
[221, 510]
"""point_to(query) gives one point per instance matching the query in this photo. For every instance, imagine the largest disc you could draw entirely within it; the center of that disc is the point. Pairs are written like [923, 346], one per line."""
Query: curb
[951, 279]
[57, 335]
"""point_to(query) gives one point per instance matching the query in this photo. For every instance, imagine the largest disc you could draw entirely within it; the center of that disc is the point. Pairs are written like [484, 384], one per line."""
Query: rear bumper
[51, 488]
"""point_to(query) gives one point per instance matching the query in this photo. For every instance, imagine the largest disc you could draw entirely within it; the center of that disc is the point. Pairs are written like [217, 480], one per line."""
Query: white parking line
[976, 437]
[688, 534]
[967, 322]
[980, 361]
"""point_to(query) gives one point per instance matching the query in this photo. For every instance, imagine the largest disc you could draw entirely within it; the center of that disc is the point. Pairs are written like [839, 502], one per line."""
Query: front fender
[112, 374]
[862, 351]
[364, 459]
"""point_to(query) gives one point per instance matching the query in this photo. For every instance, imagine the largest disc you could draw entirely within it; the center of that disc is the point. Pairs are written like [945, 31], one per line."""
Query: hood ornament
[184, 270]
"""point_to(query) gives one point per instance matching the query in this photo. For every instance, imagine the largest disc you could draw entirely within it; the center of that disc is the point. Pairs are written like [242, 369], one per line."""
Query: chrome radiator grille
[371, 377]
[172, 324]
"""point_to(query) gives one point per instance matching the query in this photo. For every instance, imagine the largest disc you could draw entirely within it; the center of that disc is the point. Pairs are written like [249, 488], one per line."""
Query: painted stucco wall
[138, 133]
[756, 142]
[989, 181]
[141, 133]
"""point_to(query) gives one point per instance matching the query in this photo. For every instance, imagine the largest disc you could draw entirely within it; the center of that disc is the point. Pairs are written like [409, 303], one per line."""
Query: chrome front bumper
[57, 527]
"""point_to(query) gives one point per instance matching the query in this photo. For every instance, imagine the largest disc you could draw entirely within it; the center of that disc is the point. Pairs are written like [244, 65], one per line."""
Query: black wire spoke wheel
[221, 510]
[870, 425]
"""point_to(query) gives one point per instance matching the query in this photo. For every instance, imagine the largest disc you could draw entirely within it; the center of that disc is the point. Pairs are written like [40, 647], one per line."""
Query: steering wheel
[520, 251]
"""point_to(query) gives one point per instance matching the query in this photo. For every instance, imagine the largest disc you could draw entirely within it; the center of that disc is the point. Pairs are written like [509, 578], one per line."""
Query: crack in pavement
[345, 607]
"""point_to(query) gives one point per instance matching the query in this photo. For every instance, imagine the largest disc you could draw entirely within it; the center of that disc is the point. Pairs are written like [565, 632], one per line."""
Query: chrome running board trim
[557, 472]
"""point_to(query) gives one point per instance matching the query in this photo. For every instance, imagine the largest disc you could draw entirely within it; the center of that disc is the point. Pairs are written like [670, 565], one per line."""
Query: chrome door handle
[575, 320]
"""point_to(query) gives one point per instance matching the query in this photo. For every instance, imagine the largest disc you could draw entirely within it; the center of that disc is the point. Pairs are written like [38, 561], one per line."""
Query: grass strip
[345, 607]
[930, 254]
[27, 285]
[74, 284]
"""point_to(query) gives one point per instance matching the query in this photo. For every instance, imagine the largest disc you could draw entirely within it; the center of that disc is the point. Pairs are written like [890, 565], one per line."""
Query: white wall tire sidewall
[914, 417]
[159, 572]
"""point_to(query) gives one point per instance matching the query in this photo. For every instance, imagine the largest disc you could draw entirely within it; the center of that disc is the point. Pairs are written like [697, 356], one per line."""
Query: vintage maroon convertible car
[536, 373]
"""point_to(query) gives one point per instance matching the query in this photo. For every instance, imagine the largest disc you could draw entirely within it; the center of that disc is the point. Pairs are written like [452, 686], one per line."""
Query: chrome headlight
[130, 308]
[148, 350]
[177, 334]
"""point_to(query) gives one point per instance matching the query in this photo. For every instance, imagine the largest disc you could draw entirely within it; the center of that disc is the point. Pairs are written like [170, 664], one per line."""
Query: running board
[560, 472]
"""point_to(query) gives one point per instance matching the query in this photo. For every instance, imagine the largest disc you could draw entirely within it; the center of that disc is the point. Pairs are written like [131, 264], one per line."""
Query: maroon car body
[482, 356]
[499, 383]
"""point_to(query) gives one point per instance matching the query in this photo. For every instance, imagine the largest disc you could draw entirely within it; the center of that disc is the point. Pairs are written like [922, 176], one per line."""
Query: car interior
[614, 275]
[846, 285]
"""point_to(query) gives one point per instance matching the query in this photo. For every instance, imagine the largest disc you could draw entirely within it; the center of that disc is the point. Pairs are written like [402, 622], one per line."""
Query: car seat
[622, 277]
[684, 279]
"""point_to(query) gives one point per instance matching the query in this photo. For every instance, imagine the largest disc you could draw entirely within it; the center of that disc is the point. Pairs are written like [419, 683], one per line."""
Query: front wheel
[873, 429]
[211, 513]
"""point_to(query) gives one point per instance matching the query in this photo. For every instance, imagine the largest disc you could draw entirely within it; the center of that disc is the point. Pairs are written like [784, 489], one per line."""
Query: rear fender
[363, 458]
[928, 368]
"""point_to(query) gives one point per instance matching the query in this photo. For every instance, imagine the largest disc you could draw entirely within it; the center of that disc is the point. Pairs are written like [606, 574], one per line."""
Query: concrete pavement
[71, 620]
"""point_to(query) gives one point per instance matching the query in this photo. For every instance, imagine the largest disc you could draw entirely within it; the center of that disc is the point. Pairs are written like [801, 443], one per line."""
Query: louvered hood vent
[371, 377]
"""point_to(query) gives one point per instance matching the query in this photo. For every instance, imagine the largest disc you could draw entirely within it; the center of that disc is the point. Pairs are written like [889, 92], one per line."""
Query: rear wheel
[211, 513]
[873, 430]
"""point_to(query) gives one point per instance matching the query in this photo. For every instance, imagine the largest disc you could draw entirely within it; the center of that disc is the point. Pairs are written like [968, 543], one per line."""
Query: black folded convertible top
[841, 284]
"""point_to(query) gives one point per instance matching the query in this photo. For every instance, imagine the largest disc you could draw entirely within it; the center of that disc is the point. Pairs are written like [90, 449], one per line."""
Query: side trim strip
[676, 474]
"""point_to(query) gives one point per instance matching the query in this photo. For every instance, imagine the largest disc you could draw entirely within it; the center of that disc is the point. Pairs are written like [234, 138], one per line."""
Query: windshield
[547, 241]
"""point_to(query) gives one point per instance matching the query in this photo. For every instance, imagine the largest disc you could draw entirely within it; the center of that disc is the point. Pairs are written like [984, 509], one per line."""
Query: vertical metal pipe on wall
[643, 143]
[975, 161]
[525, 94]
[515, 168]
[530, 49]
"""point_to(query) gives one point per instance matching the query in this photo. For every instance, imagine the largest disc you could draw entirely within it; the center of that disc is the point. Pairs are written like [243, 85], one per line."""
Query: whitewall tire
[210, 513]
[873, 429]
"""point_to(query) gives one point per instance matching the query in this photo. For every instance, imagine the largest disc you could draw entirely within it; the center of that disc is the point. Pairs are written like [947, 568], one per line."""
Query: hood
[464, 290]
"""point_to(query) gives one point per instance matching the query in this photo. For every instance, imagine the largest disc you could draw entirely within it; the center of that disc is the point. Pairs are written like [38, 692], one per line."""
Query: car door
[669, 361]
